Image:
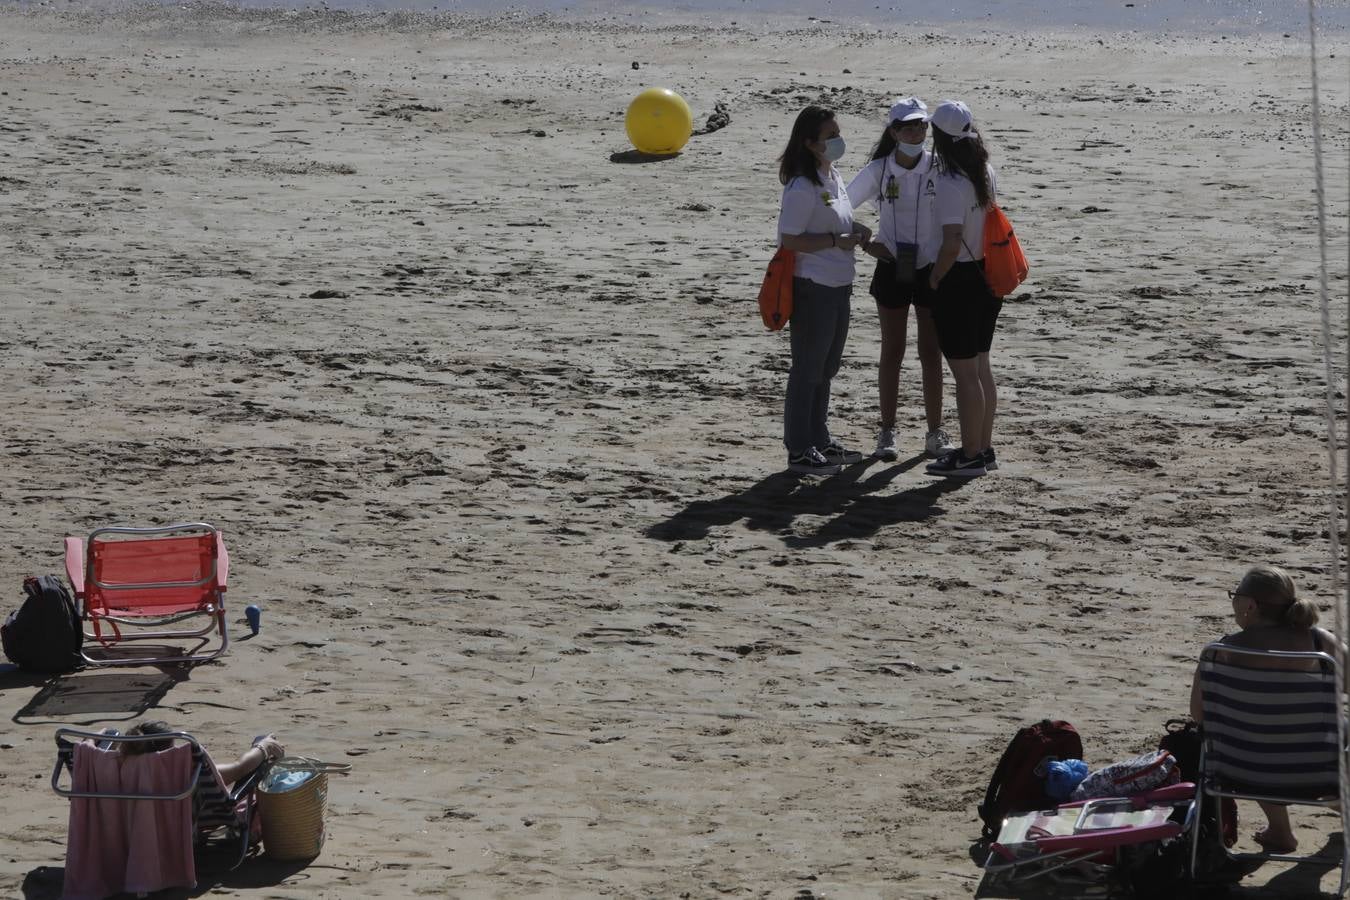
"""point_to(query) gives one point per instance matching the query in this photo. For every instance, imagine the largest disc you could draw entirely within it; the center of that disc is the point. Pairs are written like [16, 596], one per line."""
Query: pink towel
[129, 845]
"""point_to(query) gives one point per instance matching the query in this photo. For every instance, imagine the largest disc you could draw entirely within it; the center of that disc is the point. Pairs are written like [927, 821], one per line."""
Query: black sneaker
[956, 465]
[835, 453]
[990, 461]
[812, 462]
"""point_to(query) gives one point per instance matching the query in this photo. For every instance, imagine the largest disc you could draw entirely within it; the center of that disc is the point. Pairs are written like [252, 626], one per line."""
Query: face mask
[910, 149]
[834, 149]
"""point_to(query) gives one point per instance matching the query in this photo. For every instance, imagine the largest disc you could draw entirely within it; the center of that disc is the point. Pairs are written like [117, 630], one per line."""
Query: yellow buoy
[659, 122]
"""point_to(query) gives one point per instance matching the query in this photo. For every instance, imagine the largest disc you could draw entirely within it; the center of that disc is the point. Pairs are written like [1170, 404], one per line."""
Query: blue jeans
[818, 328]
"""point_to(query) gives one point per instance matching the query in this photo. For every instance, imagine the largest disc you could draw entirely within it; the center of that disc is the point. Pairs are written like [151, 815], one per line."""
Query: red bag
[775, 294]
[1005, 266]
[1018, 784]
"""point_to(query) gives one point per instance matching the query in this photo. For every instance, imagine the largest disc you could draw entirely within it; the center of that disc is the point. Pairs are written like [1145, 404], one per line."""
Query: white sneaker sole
[799, 469]
[845, 461]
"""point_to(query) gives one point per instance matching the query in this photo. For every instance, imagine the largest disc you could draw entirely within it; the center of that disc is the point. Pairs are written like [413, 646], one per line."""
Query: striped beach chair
[1272, 730]
[219, 813]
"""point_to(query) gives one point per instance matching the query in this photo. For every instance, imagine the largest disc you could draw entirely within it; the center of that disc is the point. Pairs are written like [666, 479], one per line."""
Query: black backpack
[1182, 739]
[45, 634]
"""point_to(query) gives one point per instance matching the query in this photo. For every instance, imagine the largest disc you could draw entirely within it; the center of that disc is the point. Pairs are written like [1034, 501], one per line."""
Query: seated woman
[265, 749]
[1272, 617]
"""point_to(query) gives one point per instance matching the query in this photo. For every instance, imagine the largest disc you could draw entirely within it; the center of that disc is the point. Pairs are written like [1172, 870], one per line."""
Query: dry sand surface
[494, 432]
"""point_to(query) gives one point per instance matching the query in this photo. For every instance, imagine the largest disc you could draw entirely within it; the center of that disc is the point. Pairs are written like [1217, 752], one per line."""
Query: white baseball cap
[953, 118]
[907, 109]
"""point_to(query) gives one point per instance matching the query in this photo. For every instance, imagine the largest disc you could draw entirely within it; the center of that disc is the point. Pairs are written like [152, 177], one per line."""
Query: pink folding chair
[1093, 835]
[133, 582]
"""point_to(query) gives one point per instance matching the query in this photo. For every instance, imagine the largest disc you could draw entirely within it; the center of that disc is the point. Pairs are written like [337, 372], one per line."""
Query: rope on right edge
[1333, 499]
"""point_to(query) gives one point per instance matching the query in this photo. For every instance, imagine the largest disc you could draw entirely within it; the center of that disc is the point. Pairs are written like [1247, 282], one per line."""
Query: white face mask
[834, 149]
[910, 149]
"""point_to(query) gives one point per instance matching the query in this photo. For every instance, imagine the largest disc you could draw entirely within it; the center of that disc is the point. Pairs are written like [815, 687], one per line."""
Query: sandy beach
[489, 420]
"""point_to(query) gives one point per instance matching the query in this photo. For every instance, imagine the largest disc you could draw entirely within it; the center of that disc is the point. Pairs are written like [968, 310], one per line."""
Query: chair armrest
[222, 561]
[75, 565]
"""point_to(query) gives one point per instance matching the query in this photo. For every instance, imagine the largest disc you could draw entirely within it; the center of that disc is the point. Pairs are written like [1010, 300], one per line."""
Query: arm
[953, 198]
[1197, 712]
[798, 205]
[864, 188]
[950, 250]
[810, 243]
[1327, 643]
[266, 750]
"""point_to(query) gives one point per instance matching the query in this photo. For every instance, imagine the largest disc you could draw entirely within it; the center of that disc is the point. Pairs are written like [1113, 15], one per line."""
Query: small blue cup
[254, 616]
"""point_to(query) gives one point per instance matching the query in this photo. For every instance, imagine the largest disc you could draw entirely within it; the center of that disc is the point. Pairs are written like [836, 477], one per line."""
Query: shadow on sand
[637, 157]
[89, 697]
[213, 875]
[1300, 881]
[774, 502]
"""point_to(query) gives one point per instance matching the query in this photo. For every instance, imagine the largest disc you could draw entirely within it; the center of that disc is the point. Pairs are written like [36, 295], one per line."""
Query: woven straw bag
[292, 820]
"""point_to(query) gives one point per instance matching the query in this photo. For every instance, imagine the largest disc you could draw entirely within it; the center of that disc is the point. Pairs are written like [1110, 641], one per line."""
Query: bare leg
[969, 403]
[990, 401]
[930, 358]
[1278, 836]
[893, 328]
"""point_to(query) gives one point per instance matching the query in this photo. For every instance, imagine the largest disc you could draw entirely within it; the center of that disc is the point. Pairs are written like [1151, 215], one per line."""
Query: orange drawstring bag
[775, 294]
[1005, 266]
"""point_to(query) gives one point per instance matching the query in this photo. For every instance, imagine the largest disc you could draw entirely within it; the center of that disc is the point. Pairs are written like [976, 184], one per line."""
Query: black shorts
[894, 296]
[965, 312]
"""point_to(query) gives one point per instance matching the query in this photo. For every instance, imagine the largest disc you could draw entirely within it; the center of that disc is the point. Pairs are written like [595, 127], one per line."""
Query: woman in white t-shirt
[816, 223]
[965, 311]
[899, 179]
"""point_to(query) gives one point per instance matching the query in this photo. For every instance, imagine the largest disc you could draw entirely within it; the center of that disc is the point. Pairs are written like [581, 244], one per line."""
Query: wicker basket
[292, 820]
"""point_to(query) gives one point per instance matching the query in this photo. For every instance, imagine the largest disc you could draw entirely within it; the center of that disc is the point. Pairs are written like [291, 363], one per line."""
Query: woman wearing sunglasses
[899, 181]
[1272, 616]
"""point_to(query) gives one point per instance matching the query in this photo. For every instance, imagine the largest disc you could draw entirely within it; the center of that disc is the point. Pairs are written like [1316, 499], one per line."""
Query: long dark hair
[798, 159]
[964, 157]
[886, 144]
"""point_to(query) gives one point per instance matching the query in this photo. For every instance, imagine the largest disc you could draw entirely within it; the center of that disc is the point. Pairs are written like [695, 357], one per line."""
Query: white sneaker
[886, 450]
[938, 443]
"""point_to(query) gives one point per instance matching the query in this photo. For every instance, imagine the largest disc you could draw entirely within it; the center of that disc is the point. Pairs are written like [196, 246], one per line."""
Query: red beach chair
[129, 580]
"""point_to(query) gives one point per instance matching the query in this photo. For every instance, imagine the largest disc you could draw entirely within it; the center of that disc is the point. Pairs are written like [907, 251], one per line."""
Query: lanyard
[895, 201]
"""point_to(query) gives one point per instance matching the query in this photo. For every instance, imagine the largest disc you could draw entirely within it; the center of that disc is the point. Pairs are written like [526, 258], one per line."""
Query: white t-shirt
[908, 216]
[956, 205]
[810, 208]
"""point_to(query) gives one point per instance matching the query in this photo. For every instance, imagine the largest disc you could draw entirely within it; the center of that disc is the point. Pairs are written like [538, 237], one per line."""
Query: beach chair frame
[1098, 846]
[102, 601]
[204, 780]
[1213, 742]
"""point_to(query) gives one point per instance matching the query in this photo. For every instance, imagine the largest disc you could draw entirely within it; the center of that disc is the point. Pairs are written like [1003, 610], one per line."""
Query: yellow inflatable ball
[659, 122]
